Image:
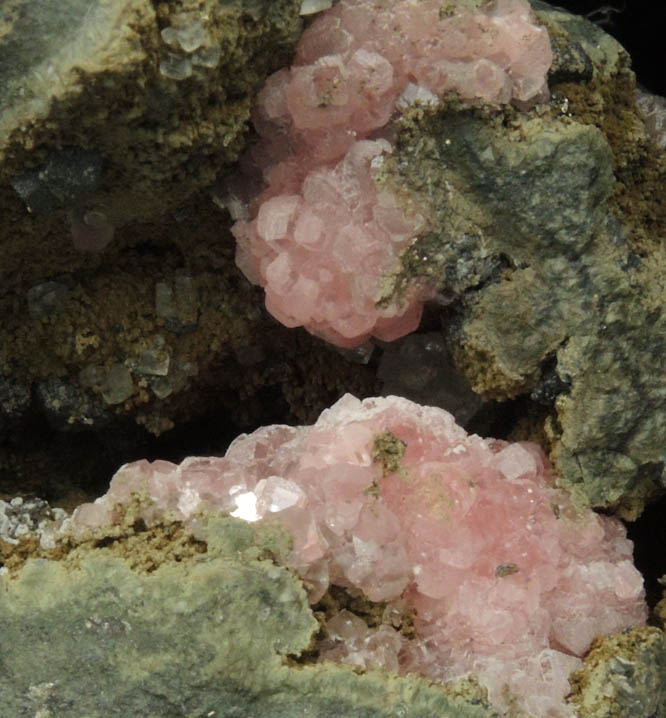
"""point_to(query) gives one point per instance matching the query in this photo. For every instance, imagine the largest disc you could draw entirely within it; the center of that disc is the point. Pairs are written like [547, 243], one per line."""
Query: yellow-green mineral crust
[212, 631]
[623, 677]
[552, 288]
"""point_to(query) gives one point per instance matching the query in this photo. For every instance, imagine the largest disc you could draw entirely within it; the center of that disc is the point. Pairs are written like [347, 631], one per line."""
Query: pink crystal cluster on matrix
[321, 235]
[386, 497]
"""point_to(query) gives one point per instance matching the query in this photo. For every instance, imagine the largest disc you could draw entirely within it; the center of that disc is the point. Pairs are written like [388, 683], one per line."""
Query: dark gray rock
[68, 407]
[66, 180]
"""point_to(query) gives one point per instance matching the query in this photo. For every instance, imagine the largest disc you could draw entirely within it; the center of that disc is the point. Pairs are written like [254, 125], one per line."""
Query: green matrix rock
[216, 633]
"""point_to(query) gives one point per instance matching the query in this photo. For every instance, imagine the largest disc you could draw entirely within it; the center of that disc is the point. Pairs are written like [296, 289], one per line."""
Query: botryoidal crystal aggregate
[503, 577]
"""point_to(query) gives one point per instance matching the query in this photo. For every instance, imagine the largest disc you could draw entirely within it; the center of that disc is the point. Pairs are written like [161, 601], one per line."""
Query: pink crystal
[508, 580]
[321, 237]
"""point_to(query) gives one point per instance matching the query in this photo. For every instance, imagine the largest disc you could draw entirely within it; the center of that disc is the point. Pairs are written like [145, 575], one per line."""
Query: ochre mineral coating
[322, 238]
[141, 332]
[216, 630]
[98, 127]
[507, 579]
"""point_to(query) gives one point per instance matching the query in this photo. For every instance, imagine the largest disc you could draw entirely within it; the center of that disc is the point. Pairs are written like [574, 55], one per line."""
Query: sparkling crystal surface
[502, 575]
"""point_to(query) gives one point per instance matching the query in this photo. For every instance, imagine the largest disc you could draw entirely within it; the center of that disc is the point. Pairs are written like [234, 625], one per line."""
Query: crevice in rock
[649, 536]
[372, 613]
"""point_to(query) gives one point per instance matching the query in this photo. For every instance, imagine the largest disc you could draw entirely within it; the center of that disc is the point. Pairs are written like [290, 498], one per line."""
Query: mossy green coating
[624, 677]
[216, 635]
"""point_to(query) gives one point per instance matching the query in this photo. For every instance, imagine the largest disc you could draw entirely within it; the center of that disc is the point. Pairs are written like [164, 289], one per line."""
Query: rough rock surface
[624, 676]
[100, 351]
[95, 118]
[87, 339]
[142, 331]
[143, 345]
[532, 237]
[660, 609]
[550, 277]
[158, 623]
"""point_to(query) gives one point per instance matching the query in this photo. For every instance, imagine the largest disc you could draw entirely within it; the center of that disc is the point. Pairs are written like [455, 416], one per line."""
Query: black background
[637, 24]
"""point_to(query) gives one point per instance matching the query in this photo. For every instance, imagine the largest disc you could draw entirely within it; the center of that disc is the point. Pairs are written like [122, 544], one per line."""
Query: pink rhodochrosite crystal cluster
[504, 577]
[323, 234]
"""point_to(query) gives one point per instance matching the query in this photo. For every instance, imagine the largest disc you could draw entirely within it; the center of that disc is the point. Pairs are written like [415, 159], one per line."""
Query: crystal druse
[324, 236]
[502, 576]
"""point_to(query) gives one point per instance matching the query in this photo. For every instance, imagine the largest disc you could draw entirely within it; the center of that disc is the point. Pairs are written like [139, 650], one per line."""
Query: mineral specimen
[324, 232]
[505, 579]
[561, 206]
